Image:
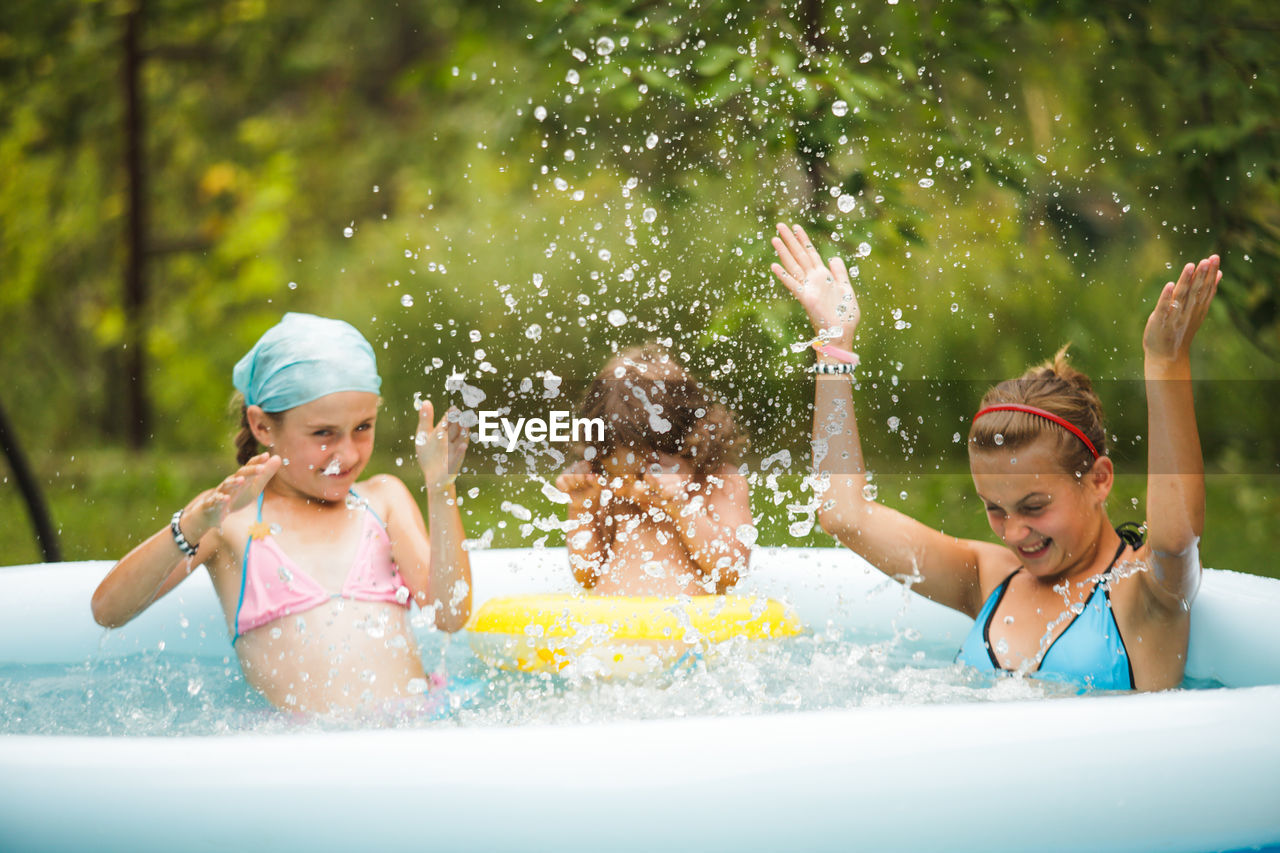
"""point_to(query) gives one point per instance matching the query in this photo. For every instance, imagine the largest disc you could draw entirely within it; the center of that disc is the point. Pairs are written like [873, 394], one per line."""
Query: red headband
[1050, 416]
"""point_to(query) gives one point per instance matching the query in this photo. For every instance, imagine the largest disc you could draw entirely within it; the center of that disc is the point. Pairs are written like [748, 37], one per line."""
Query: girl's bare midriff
[341, 654]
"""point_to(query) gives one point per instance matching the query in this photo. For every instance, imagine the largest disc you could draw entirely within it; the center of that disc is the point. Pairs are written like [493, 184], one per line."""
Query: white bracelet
[178, 539]
[843, 368]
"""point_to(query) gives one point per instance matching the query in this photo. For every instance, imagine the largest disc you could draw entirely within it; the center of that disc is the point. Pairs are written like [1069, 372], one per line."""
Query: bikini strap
[368, 508]
[262, 494]
[1131, 533]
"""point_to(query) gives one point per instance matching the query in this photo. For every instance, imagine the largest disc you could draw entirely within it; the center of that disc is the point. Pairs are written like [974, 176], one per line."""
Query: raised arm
[158, 565]
[584, 532]
[1175, 467]
[938, 566]
[707, 515]
[436, 567]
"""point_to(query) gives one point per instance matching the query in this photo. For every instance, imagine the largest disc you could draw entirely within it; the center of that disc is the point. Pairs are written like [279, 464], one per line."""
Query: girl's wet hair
[647, 400]
[1056, 387]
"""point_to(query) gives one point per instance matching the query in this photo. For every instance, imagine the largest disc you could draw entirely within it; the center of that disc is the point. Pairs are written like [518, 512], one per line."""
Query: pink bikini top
[272, 585]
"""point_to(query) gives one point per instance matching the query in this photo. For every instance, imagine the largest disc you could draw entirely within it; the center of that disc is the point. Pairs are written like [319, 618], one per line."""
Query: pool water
[159, 694]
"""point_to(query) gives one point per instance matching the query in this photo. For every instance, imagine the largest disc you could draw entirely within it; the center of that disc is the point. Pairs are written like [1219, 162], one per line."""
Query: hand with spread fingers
[441, 448]
[822, 289]
[237, 491]
[1180, 310]
[580, 483]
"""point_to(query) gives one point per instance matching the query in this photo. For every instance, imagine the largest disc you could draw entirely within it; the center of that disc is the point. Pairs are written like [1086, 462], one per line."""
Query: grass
[105, 501]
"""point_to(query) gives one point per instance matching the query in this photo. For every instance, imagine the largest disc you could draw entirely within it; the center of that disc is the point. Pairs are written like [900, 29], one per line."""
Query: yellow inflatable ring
[608, 636]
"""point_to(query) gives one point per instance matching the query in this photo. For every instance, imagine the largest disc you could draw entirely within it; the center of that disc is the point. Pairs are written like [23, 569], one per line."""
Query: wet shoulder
[384, 492]
[995, 564]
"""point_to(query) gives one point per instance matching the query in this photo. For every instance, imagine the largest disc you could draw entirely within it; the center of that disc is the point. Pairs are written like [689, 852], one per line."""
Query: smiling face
[325, 443]
[1051, 520]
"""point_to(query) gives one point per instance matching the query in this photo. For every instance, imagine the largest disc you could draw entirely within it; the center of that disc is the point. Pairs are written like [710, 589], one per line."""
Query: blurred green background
[502, 190]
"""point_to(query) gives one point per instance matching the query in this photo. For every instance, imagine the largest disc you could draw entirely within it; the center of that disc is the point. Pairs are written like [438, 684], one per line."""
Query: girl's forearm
[138, 579]
[837, 454]
[1175, 465]
[714, 547]
[585, 543]
[450, 563]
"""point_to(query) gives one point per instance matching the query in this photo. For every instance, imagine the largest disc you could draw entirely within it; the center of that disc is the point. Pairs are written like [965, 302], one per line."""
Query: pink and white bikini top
[272, 585]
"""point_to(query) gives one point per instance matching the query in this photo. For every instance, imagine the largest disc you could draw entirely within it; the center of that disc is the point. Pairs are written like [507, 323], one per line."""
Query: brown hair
[247, 445]
[648, 400]
[1058, 388]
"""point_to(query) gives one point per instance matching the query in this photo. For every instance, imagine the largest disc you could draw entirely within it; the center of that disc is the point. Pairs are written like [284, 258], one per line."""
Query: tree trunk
[136, 405]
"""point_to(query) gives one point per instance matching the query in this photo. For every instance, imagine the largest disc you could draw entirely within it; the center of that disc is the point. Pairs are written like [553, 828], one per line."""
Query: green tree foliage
[488, 187]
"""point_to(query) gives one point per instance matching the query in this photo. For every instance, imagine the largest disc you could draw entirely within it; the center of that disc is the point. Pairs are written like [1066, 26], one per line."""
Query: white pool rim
[1181, 770]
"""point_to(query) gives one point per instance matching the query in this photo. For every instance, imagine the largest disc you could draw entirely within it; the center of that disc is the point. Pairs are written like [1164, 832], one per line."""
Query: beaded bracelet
[178, 539]
[844, 368]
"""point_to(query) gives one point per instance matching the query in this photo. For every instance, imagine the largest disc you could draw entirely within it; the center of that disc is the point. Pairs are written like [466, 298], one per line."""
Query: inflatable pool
[1193, 770]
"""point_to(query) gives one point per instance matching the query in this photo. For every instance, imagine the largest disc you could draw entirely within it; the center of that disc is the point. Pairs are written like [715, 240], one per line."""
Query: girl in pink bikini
[314, 571]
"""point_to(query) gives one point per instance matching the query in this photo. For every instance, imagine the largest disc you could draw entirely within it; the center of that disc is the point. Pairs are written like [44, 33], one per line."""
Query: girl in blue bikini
[1049, 600]
[314, 570]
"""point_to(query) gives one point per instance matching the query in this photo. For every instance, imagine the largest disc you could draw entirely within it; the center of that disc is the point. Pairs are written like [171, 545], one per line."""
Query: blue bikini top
[1089, 652]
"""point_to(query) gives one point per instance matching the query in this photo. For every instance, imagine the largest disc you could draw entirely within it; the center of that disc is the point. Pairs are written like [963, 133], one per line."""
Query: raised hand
[580, 483]
[823, 290]
[1180, 310]
[441, 446]
[665, 486]
[235, 492]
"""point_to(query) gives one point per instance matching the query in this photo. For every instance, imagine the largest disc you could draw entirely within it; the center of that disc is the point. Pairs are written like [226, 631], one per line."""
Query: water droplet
[839, 108]
[902, 495]
[604, 45]
[649, 214]
[925, 182]
[534, 332]
[999, 439]
[406, 301]
[348, 231]
[604, 254]
[402, 594]
[870, 491]
[569, 154]
[651, 140]
[572, 77]
[894, 422]
[865, 58]
[954, 307]
[194, 686]
[864, 249]
[801, 527]
[846, 203]
[540, 113]
[560, 184]
[746, 534]
[617, 317]
[293, 285]
[475, 336]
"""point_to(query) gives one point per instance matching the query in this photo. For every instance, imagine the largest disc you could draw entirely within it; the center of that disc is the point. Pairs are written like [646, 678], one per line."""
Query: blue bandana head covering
[302, 358]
